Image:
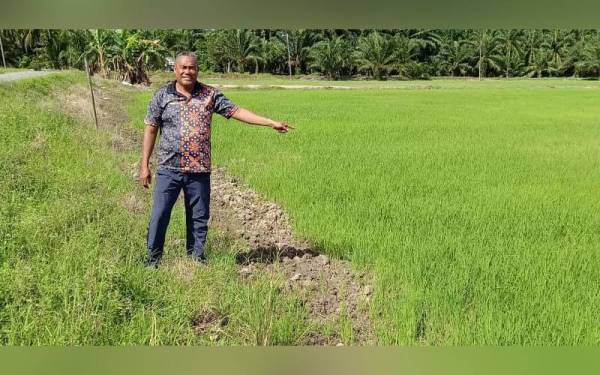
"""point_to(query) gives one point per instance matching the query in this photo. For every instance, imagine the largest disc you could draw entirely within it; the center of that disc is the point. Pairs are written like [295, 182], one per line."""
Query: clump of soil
[330, 289]
[262, 225]
[209, 322]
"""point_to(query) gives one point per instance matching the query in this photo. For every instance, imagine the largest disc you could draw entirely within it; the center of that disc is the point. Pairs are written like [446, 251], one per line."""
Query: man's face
[186, 70]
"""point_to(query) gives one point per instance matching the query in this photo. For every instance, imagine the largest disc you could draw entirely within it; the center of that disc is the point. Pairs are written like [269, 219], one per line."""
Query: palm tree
[406, 51]
[179, 40]
[218, 55]
[423, 43]
[334, 52]
[299, 42]
[258, 57]
[487, 45]
[540, 64]
[590, 62]
[576, 52]
[30, 38]
[531, 43]
[557, 46]
[132, 56]
[331, 56]
[375, 54]
[62, 48]
[510, 41]
[454, 57]
[242, 47]
[274, 53]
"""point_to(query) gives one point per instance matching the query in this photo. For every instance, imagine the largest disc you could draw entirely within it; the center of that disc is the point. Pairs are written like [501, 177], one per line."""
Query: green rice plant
[473, 205]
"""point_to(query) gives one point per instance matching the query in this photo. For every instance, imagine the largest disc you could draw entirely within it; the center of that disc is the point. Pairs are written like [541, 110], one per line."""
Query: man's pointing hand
[281, 127]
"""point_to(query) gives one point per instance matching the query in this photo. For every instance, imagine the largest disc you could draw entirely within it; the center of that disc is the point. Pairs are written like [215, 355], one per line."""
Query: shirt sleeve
[223, 105]
[154, 113]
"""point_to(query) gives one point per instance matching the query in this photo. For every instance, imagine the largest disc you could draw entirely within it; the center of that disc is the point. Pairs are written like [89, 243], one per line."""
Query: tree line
[334, 54]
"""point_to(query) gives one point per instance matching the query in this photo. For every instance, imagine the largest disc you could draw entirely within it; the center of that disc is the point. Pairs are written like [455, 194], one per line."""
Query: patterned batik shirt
[185, 125]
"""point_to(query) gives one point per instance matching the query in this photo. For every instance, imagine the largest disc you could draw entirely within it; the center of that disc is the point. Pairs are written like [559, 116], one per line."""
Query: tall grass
[72, 251]
[9, 70]
[476, 208]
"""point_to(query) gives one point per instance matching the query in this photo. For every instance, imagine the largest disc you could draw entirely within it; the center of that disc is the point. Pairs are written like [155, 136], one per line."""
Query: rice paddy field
[475, 205]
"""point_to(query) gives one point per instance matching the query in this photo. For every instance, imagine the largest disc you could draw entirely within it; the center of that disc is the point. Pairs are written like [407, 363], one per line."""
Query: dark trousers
[196, 192]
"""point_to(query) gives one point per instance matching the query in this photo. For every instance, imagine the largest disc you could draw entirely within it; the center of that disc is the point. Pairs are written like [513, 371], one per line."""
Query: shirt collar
[172, 89]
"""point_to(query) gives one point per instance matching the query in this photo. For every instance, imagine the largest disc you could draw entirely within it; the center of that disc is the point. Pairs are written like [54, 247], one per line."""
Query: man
[182, 110]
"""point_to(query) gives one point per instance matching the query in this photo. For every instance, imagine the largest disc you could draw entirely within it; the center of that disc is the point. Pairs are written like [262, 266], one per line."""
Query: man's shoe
[151, 264]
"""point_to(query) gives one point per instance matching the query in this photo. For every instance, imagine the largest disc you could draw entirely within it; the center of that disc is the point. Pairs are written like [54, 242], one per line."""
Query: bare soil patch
[330, 289]
[209, 322]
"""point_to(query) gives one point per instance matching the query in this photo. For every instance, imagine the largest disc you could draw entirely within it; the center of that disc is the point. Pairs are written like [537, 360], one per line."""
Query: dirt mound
[209, 322]
[331, 289]
[263, 225]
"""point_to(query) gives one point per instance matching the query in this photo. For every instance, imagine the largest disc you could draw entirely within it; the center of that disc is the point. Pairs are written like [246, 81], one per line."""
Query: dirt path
[330, 289]
[287, 87]
[6, 77]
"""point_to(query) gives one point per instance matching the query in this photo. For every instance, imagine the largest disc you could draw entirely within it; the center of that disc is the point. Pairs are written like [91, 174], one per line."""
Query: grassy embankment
[475, 205]
[72, 240]
[10, 70]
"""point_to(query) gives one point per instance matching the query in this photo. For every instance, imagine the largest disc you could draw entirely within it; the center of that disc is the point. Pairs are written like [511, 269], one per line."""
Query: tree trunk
[508, 65]
[101, 57]
[297, 66]
[2, 51]
[480, 47]
[100, 54]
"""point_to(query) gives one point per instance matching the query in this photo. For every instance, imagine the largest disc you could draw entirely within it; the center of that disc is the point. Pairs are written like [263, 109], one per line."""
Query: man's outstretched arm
[250, 117]
[150, 133]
